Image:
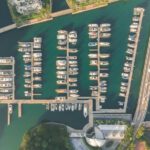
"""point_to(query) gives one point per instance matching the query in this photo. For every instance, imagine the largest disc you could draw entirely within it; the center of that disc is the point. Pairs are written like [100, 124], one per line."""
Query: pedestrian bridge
[8, 28]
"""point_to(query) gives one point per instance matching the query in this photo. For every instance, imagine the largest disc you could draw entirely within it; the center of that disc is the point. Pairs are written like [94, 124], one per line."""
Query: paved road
[144, 92]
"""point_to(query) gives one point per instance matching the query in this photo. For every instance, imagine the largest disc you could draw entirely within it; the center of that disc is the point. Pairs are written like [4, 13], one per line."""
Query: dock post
[8, 117]
[19, 110]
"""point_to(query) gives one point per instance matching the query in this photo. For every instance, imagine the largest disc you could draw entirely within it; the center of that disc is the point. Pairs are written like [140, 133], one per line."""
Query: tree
[140, 132]
[46, 137]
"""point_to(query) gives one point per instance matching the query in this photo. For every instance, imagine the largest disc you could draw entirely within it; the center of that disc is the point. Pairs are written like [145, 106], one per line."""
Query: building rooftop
[26, 7]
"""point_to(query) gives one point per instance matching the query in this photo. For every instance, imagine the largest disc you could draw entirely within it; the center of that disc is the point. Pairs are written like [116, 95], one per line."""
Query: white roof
[110, 131]
[95, 142]
[112, 127]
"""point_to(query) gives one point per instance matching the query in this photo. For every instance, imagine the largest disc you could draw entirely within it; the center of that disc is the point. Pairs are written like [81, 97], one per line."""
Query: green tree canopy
[46, 137]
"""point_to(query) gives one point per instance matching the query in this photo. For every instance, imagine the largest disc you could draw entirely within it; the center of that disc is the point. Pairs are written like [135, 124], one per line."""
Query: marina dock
[144, 94]
[99, 61]
[21, 102]
[8, 117]
[19, 110]
[141, 10]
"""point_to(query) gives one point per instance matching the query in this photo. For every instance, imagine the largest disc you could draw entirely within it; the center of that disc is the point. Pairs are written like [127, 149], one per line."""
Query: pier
[67, 59]
[144, 94]
[134, 57]
[47, 102]
[19, 110]
[32, 89]
[98, 68]
[8, 28]
[8, 115]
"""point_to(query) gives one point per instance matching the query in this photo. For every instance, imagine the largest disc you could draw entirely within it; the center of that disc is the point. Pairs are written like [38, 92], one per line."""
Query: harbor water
[120, 16]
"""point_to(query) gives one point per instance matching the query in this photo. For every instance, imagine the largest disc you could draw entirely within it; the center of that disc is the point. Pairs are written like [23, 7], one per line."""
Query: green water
[119, 14]
[59, 5]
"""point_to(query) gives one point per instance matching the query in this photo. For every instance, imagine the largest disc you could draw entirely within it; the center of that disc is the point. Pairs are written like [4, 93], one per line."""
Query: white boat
[93, 35]
[93, 88]
[104, 63]
[85, 110]
[122, 94]
[125, 76]
[24, 44]
[5, 85]
[93, 62]
[92, 44]
[105, 29]
[128, 64]
[131, 45]
[79, 106]
[61, 76]
[74, 95]
[60, 98]
[61, 67]
[72, 107]
[73, 50]
[71, 62]
[104, 75]
[105, 35]
[73, 72]
[62, 107]
[129, 51]
[73, 57]
[61, 90]
[61, 37]
[10, 109]
[37, 79]
[73, 91]
[73, 69]
[62, 42]
[104, 55]
[93, 25]
[7, 90]
[126, 69]
[73, 84]
[47, 106]
[37, 85]
[4, 79]
[104, 44]
[124, 84]
[61, 82]
[129, 58]
[61, 72]
[27, 85]
[72, 34]
[61, 62]
[93, 73]
[105, 25]
[93, 55]
[72, 79]
[93, 77]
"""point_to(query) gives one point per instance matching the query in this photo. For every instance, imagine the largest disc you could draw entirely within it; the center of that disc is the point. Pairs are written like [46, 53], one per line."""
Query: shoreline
[65, 12]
